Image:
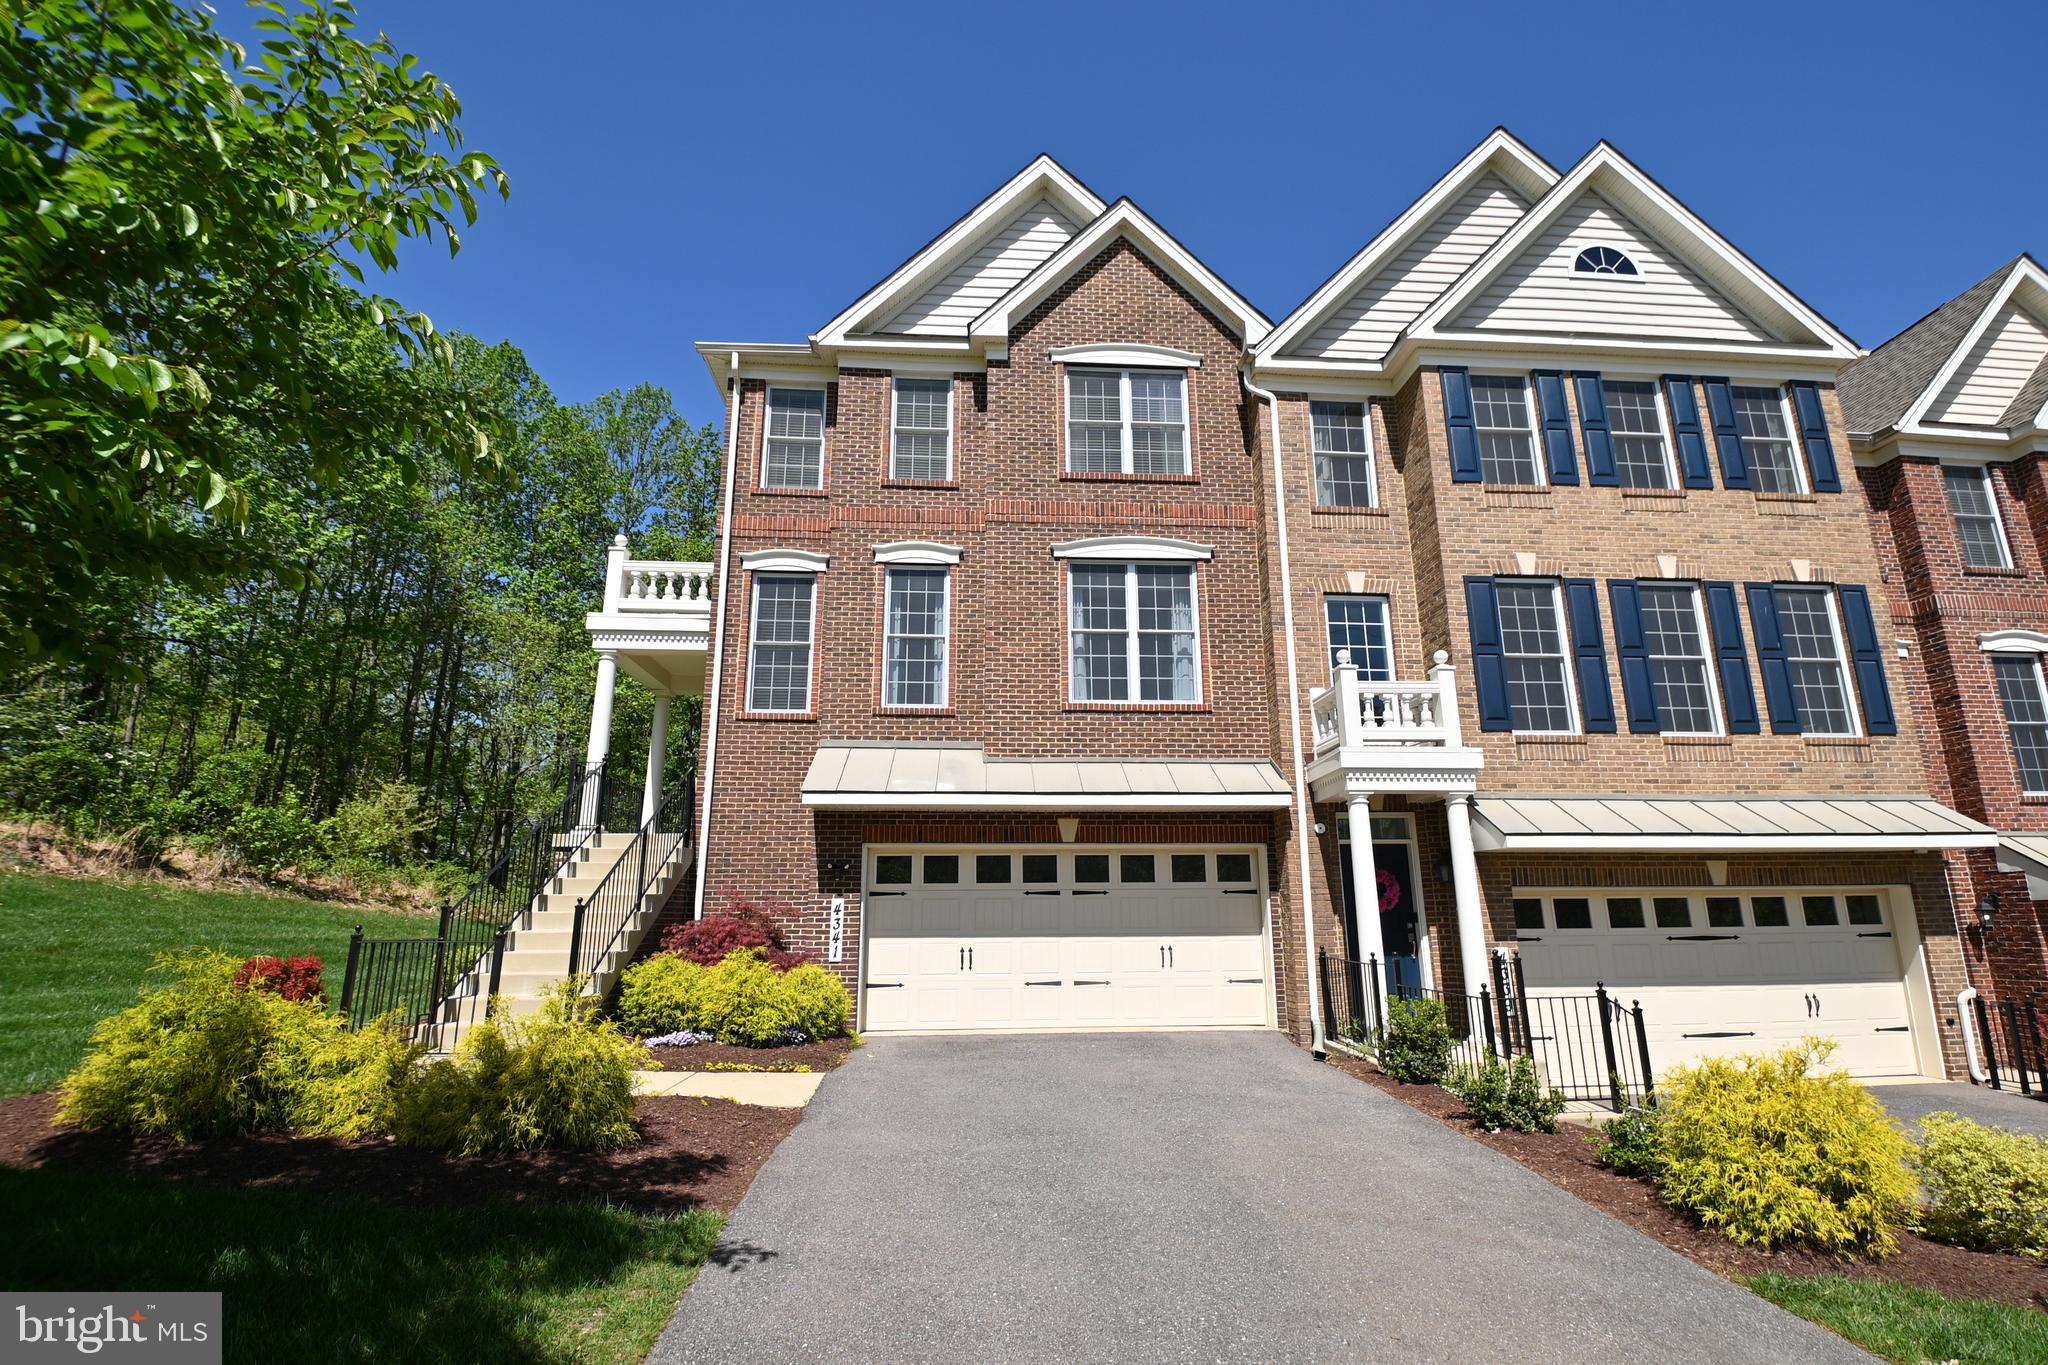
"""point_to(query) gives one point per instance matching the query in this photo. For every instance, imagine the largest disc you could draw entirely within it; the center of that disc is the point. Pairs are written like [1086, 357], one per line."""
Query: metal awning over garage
[2026, 853]
[856, 776]
[1732, 824]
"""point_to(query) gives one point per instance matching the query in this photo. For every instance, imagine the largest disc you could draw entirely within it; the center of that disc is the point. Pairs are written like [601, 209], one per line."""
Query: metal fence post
[2017, 1044]
[348, 975]
[1607, 1046]
[1500, 1002]
[1372, 978]
[497, 973]
[1486, 1019]
[1643, 1055]
[2040, 1059]
[441, 952]
[1522, 1005]
[1990, 1043]
[575, 937]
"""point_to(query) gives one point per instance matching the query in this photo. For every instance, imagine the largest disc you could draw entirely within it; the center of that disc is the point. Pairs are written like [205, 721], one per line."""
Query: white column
[1365, 886]
[657, 760]
[1350, 728]
[1465, 881]
[600, 726]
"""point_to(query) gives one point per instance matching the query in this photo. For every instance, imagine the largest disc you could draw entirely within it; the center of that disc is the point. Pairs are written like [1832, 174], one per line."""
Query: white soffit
[856, 776]
[1531, 824]
[2026, 853]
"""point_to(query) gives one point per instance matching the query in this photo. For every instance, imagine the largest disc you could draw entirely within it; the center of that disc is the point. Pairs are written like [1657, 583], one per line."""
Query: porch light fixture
[1443, 869]
[1987, 911]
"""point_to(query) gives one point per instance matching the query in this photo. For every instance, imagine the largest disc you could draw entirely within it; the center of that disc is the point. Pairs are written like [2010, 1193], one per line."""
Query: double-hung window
[2020, 692]
[921, 430]
[1504, 420]
[1675, 641]
[1532, 634]
[780, 642]
[1359, 624]
[1342, 440]
[793, 444]
[1975, 507]
[915, 630]
[1127, 421]
[1767, 441]
[1813, 655]
[1132, 633]
[1635, 418]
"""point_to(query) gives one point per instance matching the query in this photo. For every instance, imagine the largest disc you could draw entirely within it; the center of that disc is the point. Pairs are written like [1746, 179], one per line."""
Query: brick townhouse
[1083, 641]
[1949, 421]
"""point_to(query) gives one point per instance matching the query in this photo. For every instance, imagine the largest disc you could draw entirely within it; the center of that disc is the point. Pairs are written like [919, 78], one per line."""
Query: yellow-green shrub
[659, 996]
[817, 1000]
[1774, 1153]
[200, 1057]
[1987, 1188]
[345, 1084]
[561, 1078]
[745, 1001]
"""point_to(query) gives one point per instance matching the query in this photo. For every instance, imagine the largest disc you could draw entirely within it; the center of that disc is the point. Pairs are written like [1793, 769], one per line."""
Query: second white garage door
[1005, 939]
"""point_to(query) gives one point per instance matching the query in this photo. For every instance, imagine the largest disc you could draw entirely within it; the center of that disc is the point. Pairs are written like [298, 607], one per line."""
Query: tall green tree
[183, 226]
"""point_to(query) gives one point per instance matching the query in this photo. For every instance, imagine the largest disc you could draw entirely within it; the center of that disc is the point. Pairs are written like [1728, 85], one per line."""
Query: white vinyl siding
[1133, 634]
[2021, 693]
[1364, 326]
[1764, 418]
[915, 634]
[779, 643]
[1341, 437]
[1813, 653]
[1974, 502]
[1504, 414]
[1642, 447]
[921, 430]
[1360, 624]
[995, 267]
[1997, 368]
[1675, 639]
[1532, 633]
[793, 439]
[1539, 292]
[1127, 422]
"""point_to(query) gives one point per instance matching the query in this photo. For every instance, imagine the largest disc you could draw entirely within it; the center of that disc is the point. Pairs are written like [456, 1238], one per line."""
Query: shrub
[265, 838]
[741, 924]
[1987, 1188]
[818, 1002]
[294, 978]
[1508, 1095]
[1629, 1144]
[199, 1057]
[659, 996]
[744, 1000]
[344, 1084]
[560, 1079]
[1417, 1045]
[1774, 1153]
[376, 826]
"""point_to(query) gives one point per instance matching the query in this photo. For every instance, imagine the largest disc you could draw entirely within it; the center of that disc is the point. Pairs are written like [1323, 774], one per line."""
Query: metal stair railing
[602, 917]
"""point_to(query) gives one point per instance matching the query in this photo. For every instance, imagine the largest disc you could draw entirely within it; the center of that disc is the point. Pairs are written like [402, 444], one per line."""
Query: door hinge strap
[1700, 938]
[1728, 1034]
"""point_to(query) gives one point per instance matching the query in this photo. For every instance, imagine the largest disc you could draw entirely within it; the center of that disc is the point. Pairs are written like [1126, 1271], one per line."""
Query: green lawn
[1910, 1325]
[73, 951]
[306, 1278]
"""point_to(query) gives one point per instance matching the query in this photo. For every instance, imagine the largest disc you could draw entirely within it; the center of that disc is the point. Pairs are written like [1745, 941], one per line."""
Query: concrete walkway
[1911, 1102]
[770, 1089]
[1179, 1197]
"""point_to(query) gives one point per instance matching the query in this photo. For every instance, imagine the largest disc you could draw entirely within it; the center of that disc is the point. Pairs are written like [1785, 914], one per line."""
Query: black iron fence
[393, 975]
[2010, 1035]
[1592, 1047]
[602, 917]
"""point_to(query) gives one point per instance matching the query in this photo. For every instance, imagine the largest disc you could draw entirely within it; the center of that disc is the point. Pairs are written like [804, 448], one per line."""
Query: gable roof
[985, 245]
[1500, 157]
[1979, 363]
[1789, 325]
[1125, 221]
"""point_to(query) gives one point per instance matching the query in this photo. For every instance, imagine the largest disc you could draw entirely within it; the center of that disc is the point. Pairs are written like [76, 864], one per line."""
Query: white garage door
[1724, 972]
[1001, 939]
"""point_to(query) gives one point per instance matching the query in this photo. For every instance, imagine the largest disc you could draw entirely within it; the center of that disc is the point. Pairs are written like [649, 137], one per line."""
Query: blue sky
[686, 171]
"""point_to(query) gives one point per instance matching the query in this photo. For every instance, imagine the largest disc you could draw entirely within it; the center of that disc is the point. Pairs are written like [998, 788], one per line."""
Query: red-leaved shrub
[741, 924]
[294, 978]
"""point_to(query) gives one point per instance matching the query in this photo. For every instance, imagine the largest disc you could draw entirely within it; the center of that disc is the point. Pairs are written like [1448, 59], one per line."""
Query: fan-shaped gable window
[1603, 260]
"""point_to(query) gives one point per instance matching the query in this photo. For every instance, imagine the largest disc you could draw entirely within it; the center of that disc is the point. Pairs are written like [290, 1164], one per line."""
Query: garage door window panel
[1528, 913]
[1865, 910]
[1724, 912]
[1769, 912]
[1040, 869]
[1624, 912]
[992, 869]
[1572, 912]
[1819, 911]
[1673, 912]
[941, 869]
[1233, 867]
[893, 869]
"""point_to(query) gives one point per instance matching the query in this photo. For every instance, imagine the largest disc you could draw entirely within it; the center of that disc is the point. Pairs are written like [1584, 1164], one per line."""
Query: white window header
[1139, 548]
[784, 561]
[2013, 642]
[1127, 354]
[917, 552]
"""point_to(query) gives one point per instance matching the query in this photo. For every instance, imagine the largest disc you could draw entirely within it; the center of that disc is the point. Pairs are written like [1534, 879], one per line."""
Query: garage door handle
[1718, 1035]
[1876, 933]
[1700, 938]
[1896, 1028]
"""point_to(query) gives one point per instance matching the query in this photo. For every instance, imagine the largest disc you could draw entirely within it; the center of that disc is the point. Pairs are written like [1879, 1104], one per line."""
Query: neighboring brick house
[1026, 706]
[1949, 422]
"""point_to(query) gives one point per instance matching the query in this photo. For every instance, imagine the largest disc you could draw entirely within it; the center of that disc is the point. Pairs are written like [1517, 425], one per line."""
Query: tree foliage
[182, 228]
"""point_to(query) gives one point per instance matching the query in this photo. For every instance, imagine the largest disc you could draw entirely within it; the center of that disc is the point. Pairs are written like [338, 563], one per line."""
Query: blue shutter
[1596, 699]
[1557, 426]
[1813, 434]
[1593, 421]
[1727, 436]
[1736, 693]
[1489, 667]
[1685, 423]
[1634, 652]
[1458, 421]
[1869, 657]
[1770, 652]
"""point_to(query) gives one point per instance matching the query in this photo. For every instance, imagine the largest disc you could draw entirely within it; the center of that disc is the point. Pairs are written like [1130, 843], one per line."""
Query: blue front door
[1399, 927]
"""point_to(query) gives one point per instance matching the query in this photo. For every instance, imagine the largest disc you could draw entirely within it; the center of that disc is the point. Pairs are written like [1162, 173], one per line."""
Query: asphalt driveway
[1179, 1197]
[1913, 1101]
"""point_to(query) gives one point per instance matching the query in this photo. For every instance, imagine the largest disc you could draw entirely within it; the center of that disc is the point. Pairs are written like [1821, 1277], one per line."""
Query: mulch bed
[819, 1056]
[1567, 1159]
[694, 1153]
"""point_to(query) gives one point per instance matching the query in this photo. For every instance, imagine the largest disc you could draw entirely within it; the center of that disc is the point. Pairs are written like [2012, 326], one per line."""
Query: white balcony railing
[651, 587]
[1356, 712]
